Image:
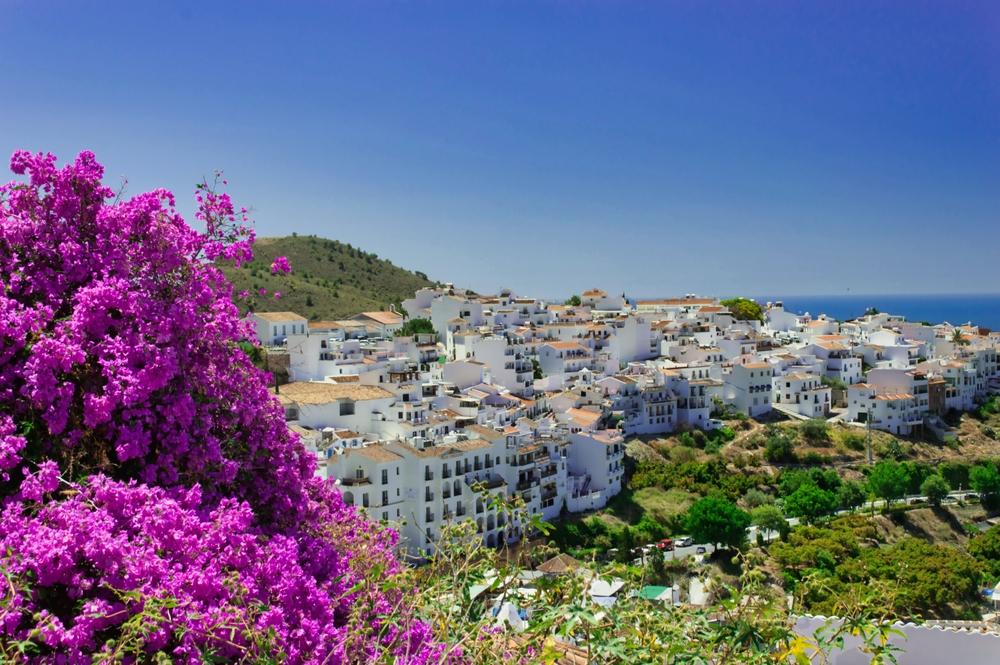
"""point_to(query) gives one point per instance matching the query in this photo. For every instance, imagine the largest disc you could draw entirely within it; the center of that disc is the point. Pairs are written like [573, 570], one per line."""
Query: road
[691, 550]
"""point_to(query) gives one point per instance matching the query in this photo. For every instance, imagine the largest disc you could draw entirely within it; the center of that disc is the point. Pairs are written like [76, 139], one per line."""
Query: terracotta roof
[279, 316]
[566, 345]
[560, 563]
[484, 432]
[677, 301]
[467, 445]
[893, 397]
[385, 318]
[325, 325]
[376, 453]
[309, 392]
[583, 416]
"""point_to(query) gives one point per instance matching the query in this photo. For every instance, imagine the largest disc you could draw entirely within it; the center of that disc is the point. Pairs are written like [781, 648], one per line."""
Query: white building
[748, 388]
[274, 327]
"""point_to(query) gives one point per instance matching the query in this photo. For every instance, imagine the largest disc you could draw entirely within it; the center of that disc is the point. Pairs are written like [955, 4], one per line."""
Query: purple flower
[121, 365]
[281, 265]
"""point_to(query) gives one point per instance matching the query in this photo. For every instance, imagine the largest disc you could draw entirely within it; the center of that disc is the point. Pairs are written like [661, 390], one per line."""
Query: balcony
[549, 471]
[355, 480]
[489, 483]
[526, 484]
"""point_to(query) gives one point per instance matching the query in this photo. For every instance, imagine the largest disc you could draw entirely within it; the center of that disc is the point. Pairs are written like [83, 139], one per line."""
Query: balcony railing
[355, 480]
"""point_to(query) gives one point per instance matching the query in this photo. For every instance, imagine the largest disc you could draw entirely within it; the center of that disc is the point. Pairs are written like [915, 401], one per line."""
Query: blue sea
[980, 310]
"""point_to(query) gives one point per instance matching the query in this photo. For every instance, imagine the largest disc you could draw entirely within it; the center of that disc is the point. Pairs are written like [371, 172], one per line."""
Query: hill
[329, 279]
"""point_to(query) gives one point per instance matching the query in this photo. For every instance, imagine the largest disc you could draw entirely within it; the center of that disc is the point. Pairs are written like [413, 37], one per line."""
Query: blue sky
[724, 148]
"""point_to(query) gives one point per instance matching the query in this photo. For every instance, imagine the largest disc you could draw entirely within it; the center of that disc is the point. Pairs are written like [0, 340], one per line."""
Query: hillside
[329, 279]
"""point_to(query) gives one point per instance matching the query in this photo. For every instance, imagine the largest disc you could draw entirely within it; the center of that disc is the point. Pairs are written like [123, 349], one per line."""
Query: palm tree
[958, 338]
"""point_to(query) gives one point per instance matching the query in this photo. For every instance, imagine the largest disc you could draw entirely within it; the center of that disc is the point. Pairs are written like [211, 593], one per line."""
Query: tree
[743, 309]
[755, 497]
[958, 338]
[626, 543]
[986, 548]
[935, 488]
[717, 521]
[850, 495]
[770, 518]
[573, 301]
[888, 480]
[810, 502]
[780, 446]
[415, 327]
[985, 480]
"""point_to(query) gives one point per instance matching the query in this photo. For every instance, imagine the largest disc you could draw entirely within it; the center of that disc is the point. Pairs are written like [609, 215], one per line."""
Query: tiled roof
[385, 318]
[309, 392]
[277, 317]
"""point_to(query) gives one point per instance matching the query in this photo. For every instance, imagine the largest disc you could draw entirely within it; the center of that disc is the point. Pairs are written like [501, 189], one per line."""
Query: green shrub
[815, 432]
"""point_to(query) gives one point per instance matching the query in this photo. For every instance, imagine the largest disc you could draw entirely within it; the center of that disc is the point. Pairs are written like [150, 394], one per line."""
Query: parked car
[685, 541]
[667, 545]
[701, 549]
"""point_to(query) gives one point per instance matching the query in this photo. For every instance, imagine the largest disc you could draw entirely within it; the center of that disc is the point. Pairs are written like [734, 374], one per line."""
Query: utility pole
[868, 433]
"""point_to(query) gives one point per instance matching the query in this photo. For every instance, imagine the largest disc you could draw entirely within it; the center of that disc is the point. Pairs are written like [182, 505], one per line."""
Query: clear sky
[712, 147]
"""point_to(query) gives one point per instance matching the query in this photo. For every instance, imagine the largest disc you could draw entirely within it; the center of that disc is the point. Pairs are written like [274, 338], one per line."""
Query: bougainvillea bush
[154, 505]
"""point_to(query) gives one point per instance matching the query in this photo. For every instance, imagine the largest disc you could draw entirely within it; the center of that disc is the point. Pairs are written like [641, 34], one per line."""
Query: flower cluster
[121, 375]
[280, 265]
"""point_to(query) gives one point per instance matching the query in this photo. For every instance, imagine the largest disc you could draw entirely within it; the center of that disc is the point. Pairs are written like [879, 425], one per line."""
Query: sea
[978, 309]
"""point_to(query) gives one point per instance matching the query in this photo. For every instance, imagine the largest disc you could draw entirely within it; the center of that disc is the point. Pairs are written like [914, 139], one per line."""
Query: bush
[853, 441]
[755, 497]
[779, 446]
[154, 498]
[815, 458]
[816, 432]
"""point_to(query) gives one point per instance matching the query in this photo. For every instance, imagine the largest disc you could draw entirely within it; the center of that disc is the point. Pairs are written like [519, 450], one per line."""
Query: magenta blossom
[281, 265]
[188, 498]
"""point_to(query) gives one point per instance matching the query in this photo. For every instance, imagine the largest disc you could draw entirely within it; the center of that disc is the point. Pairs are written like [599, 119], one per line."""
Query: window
[347, 408]
[385, 497]
[385, 476]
